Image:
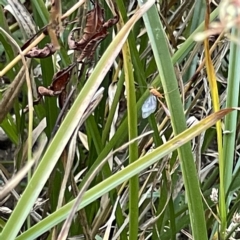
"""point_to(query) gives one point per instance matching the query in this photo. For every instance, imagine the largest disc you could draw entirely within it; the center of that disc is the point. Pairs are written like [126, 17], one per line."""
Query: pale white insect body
[149, 106]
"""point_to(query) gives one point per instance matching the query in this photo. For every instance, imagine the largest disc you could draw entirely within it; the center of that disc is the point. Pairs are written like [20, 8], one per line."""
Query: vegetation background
[103, 171]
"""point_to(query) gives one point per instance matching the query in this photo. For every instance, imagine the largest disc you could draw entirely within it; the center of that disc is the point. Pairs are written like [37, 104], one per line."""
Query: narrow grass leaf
[166, 71]
[215, 100]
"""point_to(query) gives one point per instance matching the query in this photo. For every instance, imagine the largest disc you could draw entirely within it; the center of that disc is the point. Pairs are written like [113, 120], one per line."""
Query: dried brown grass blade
[55, 25]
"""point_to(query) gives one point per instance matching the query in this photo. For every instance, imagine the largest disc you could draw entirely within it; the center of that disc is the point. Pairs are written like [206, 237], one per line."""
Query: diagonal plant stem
[18, 58]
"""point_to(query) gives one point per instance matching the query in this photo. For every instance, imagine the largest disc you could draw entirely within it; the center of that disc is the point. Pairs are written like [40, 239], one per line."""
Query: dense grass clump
[118, 119]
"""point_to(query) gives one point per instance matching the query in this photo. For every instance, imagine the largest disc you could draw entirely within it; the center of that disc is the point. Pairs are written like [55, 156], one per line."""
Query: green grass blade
[162, 56]
[133, 148]
[232, 101]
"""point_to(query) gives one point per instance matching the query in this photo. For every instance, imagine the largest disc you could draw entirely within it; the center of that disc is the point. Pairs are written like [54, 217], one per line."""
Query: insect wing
[149, 106]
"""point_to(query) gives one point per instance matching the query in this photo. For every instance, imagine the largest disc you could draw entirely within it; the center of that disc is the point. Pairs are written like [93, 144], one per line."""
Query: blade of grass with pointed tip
[216, 106]
[232, 101]
[166, 71]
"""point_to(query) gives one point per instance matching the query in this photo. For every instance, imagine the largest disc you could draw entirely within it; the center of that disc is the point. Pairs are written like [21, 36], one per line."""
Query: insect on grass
[151, 103]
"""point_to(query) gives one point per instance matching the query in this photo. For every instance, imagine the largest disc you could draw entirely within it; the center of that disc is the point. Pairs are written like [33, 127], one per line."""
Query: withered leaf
[61, 78]
[94, 23]
[59, 82]
[36, 52]
[91, 47]
[30, 40]
[94, 32]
